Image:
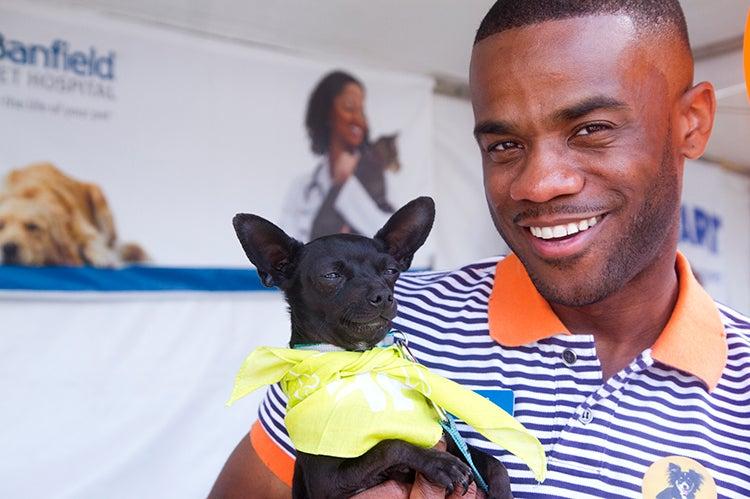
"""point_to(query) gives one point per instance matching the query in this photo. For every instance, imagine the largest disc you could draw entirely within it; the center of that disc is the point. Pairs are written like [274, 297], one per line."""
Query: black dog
[340, 291]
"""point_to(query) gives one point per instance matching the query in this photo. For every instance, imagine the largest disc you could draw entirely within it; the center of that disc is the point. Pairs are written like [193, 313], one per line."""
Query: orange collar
[693, 339]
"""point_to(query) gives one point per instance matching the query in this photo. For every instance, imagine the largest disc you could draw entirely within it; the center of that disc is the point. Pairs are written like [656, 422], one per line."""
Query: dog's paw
[447, 471]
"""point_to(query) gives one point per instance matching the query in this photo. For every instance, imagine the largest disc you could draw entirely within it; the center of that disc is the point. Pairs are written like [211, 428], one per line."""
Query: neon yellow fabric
[343, 403]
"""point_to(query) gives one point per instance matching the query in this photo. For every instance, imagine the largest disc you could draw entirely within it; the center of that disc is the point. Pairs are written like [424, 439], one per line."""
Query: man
[619, 362]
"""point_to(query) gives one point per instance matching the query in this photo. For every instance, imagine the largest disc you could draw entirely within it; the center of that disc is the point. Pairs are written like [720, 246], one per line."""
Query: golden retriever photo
[49, 218]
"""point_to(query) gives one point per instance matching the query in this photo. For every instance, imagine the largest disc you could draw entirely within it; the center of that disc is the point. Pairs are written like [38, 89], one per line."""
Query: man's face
[573, 121]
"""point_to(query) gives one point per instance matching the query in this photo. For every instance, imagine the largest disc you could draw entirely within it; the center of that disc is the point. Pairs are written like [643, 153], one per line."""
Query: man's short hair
[652, 16]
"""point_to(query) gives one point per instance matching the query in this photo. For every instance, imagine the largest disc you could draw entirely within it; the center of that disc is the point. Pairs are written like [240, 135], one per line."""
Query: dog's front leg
[329, 477]
[493, 472]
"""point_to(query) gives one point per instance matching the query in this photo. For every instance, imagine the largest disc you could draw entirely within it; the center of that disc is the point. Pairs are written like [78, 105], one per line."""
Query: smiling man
[617, 359]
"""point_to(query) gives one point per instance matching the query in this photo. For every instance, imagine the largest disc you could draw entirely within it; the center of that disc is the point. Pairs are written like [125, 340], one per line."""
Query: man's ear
[698, 108]
[267, 247]
[407, 230]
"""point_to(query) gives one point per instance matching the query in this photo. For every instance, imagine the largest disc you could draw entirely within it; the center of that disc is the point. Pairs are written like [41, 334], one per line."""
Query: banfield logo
[59, 56]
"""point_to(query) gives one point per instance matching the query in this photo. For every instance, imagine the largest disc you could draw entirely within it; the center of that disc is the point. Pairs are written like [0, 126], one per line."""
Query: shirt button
[569, 357]
[586, 416]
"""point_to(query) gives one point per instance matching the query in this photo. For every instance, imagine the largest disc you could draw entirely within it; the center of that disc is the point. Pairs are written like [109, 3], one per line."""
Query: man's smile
[563, 229]
[562, 238]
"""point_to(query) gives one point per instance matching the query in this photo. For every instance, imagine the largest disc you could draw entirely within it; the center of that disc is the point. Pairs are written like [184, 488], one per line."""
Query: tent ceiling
[426, 36]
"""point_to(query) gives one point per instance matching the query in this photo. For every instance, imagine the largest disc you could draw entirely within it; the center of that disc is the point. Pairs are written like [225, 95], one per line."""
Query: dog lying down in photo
[360, 411]
[49, 218]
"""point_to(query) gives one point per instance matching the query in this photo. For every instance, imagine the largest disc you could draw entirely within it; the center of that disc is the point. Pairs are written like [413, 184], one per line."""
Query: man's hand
[420, 489]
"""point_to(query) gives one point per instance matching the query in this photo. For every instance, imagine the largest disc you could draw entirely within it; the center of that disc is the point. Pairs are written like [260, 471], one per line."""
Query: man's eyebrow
[586, 106]
[492, 127]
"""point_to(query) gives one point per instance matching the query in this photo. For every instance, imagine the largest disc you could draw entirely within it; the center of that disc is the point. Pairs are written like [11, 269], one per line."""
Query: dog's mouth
[365, 324]
[364, 334]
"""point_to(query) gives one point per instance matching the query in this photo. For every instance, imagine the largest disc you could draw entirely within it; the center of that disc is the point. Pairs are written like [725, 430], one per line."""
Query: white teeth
[568, 229]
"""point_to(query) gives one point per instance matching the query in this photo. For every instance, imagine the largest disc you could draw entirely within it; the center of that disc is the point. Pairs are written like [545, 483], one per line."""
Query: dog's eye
[332, 275]
[390, 271]
[32, 227]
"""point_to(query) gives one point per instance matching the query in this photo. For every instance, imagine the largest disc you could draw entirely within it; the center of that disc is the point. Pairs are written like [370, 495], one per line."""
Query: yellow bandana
[343, 403]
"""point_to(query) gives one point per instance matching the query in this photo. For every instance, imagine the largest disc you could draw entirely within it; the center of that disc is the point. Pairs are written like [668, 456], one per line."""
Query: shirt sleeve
[270, 438]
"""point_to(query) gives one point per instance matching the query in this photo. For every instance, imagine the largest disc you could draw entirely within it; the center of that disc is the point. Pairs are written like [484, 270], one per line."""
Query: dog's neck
[386, 342]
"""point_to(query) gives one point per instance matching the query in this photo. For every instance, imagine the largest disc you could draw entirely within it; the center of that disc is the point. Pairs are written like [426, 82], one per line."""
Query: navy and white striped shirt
[485, 326]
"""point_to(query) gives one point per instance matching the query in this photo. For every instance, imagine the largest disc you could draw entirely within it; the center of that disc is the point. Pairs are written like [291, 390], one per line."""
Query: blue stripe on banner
[134, 278]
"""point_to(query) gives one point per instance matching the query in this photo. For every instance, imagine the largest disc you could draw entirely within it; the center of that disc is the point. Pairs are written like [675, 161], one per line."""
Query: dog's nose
[381, 297]
[10, 252]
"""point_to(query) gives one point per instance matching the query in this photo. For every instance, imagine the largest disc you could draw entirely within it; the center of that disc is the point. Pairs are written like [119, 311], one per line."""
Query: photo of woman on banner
[346, 191]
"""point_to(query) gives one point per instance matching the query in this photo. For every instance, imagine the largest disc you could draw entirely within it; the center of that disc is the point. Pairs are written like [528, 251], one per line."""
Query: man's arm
[245, 475]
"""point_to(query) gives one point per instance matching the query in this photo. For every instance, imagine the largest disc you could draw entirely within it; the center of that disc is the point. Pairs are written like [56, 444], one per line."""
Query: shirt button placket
[569, 357]
[586, 416]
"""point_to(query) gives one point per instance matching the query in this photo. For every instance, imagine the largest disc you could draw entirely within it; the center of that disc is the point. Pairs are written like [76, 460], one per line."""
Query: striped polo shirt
[681, 406]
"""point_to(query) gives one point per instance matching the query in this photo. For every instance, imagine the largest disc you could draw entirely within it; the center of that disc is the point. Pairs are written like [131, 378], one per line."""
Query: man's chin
[577, 289]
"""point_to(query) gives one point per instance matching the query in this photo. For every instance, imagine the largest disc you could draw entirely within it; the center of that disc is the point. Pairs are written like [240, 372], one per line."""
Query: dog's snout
[380, 297]
[10, 252]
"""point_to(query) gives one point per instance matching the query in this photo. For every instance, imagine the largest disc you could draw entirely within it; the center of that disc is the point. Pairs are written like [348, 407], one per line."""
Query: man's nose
[549, 172]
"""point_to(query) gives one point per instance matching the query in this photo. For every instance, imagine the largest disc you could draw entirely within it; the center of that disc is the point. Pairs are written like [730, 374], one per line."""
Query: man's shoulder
[446, 306]
[473, 274]
[736, 326]
[468, 287]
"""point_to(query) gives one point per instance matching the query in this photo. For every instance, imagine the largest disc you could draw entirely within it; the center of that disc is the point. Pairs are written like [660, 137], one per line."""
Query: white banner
[715, 216]
[182, 132]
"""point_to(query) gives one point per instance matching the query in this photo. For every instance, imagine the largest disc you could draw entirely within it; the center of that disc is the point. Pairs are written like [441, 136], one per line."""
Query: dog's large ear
[407, 229]
[267, 246]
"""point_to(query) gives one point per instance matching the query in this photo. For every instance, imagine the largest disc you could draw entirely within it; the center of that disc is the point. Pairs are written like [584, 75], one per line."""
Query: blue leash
[447, 421]
[450, 428]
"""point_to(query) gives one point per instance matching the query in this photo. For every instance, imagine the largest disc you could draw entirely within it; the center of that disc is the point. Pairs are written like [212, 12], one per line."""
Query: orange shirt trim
[279, 462]
[693, 339]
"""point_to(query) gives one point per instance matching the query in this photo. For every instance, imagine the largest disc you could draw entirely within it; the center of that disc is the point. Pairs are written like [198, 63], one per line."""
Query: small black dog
[340, 291]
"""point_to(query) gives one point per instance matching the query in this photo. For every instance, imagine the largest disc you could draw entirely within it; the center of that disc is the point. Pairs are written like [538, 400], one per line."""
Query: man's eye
[503, 146]
[592, 128]
[332, 275]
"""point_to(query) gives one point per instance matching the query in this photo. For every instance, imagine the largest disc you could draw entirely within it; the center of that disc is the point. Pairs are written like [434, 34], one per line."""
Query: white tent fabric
[122, 396]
